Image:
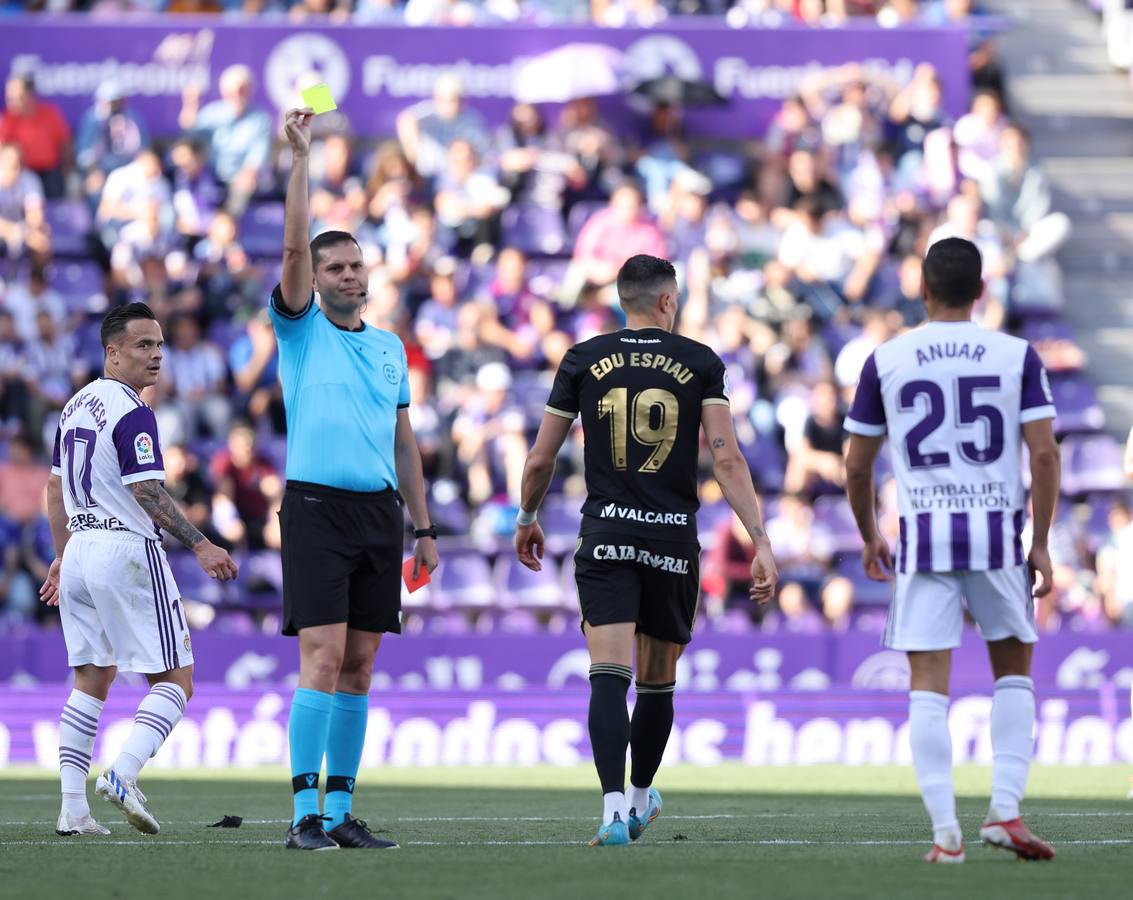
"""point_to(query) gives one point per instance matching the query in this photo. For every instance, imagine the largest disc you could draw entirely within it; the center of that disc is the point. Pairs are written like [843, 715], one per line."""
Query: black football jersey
[640, 393]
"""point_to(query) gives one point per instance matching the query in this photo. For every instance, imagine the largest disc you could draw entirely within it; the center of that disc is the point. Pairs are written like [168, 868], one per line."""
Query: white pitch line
[95, 841]
[1036, 814]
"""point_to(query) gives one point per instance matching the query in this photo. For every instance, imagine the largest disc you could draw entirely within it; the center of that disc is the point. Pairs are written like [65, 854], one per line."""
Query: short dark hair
[641, 279]
[953, 272]
[330, 239]
[114, 325]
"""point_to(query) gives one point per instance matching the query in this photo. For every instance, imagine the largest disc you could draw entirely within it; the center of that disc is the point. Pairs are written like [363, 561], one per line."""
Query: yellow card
[319, 99]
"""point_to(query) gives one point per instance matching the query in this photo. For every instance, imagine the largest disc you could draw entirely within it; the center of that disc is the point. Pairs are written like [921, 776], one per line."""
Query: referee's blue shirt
[341, 390]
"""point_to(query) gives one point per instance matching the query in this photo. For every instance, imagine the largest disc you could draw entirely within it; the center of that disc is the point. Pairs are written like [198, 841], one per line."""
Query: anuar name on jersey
[641, 412]
[953, 398]
[106, 441]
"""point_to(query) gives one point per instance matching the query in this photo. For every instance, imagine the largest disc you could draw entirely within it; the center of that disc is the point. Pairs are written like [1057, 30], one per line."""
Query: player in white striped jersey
[957, 402]
[117, 599]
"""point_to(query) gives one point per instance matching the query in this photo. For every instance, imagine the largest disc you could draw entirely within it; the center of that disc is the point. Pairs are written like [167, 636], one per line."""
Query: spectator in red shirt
[39, 130]
[247, 484]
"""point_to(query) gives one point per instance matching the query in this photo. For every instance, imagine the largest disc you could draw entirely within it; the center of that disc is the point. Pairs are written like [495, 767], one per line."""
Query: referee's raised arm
[297, 280]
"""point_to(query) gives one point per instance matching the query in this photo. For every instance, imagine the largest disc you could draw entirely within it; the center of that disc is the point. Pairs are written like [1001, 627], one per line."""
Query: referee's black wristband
[430, 532]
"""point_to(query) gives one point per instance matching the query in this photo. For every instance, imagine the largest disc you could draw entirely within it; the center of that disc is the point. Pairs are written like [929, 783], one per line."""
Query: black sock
[609, 723]
[649, 731]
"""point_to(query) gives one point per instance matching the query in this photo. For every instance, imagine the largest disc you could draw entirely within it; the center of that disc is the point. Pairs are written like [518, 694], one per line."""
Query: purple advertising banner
[248, 728]
[714, 662]
[374, 72]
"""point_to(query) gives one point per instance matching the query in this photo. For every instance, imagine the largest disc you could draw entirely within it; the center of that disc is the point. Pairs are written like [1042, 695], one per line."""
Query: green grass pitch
[726, 832]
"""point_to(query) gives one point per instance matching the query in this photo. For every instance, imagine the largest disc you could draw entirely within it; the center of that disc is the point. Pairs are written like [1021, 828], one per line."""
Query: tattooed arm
[734, 477]
[163, 511]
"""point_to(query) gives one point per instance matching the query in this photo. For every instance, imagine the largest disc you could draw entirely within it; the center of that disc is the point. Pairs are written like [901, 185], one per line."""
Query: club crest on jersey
[392, 375]
[188, 644]
[143, 449]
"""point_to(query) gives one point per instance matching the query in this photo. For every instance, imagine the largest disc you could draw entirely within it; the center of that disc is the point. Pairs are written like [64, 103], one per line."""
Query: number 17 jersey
[953, 398]
[107, 440]
[640, 393]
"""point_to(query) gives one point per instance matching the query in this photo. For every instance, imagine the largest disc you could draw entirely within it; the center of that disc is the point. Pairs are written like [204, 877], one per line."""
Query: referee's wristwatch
[430, 532]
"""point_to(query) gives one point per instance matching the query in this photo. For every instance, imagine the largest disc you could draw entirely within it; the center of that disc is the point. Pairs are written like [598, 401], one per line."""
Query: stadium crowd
[613, 13]
[491, 251]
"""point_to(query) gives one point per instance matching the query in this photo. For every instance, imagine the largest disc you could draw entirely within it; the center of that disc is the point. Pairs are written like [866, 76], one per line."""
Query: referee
[349, 448]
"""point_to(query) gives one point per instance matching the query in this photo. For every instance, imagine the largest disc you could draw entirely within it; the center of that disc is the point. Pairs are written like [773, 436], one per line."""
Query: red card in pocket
[407, 573]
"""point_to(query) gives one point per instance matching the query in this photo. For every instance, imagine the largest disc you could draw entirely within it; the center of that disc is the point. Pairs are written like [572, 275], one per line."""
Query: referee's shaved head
[643, 279]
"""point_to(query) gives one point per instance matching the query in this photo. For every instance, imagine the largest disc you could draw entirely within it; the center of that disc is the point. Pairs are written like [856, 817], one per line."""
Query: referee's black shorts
[631, 578]
[341, 558]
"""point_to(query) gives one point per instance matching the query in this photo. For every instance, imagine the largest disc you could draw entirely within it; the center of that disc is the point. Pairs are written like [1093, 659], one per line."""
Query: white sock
[158, 712]
[932, 758]
[78, 725]
[614, 802]
[638, 799]
[1012, 744]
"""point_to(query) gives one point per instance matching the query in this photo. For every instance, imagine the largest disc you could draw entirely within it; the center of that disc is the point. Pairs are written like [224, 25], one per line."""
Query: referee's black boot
[308, 834]
[356, 833]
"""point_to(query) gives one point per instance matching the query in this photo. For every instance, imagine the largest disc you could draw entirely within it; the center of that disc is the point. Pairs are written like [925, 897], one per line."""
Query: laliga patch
[143, 449]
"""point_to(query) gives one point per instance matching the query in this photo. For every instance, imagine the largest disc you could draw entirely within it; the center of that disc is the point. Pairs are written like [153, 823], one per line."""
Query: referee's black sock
[609, 723]
[649, 732]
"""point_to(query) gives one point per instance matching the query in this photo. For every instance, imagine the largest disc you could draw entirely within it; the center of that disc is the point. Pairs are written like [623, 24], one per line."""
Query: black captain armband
[430, 532]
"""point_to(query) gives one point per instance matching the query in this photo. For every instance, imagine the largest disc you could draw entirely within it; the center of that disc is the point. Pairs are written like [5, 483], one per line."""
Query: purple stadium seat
[70, 222]
[536, 230]
[224, 332]
[465, 583]
[274, 447]
[835, 514]
[89, 341]
[1095, 526]
[767, 461]
[518, 621]
[192, 581]
[566, 577]
[261, 572]
[836, 336]
[883, 468]
[1091, 463]
[711, 516]
[450, 516]
[545, 275]
[77, 280]
[1045, 330]
[560, 518]
[1076, 401]
[520, 588]
[579, 214]
[870, 620]
[724, 169]
[261, 229]
[867, 592]
[732, 621]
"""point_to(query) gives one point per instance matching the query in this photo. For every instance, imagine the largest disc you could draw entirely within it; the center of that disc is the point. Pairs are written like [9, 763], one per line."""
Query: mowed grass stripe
[775, 833]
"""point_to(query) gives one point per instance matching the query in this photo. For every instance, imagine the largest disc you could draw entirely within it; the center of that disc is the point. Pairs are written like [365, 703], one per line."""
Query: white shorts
[927, 612]
[120, 606]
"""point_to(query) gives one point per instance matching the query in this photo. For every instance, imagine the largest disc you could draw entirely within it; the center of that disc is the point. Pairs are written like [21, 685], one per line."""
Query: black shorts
[628, 578]
[341, 558]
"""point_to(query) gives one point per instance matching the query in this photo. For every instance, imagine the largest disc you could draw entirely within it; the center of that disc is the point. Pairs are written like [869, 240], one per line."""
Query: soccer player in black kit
[644, 394]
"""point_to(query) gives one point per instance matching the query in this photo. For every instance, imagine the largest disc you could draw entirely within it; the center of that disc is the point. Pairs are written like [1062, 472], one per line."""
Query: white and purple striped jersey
[107, 440]
[953, 398]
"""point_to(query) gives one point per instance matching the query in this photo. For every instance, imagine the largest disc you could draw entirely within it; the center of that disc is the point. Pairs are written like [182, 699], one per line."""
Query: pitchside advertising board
[374, 72]
[522, 700]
